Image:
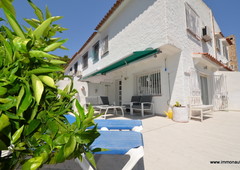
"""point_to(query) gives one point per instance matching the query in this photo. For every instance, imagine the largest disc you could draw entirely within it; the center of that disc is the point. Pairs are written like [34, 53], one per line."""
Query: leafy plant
[32, 122]
[177, 104]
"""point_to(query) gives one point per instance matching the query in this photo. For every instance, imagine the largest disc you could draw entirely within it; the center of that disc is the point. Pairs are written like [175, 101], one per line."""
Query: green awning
[137, 55]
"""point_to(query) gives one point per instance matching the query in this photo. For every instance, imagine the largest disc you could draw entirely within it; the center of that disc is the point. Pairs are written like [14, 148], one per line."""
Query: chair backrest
[195, 100]
[135, 98]
[146, 99]
[105, 100]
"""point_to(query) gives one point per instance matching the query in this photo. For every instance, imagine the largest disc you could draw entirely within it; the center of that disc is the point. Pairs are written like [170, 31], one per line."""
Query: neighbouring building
[232, 53]
[170, 49]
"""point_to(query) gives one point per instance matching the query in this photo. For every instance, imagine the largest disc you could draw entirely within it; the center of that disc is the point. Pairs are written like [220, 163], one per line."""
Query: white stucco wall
[233, 89]
[140, 24]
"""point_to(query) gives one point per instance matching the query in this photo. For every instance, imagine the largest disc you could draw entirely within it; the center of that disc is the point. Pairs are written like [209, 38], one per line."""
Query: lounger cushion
[135, 98]
[146, 99]
[118, 142]
[105, 100]
[117, 124]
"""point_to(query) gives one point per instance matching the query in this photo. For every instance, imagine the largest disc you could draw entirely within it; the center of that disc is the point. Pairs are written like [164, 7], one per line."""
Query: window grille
[149, 84]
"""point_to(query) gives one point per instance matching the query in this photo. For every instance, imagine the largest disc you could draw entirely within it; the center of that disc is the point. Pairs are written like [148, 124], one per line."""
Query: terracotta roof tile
[207, 55]
[108, 15]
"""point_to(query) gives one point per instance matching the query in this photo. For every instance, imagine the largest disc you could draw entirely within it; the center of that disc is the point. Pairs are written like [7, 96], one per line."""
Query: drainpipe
[213, 35]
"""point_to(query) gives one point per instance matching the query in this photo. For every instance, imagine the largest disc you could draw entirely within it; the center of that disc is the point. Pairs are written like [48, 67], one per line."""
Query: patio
[170, 145]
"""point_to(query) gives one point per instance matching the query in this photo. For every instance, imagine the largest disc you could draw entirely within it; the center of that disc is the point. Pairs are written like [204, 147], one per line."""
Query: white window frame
[105, 45]
[192, 21]
[85, 61]
[75, 67]
[96, 57]
[218, 44]
[149, 83]
[225, 51]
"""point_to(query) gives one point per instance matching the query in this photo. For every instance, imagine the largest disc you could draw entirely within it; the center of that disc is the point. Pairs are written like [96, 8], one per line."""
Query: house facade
[165, 48]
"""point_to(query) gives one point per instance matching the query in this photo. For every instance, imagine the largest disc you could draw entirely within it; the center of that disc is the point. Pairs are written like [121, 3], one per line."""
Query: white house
[165, 48]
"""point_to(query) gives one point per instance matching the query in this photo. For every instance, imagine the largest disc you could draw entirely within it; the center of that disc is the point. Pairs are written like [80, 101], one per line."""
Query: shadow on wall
[128, 17]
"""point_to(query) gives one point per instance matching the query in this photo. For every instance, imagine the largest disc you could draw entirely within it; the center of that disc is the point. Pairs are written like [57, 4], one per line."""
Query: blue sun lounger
[113, 124]
[117, 142]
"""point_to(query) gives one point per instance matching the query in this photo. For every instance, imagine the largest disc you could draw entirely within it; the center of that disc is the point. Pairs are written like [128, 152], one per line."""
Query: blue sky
[82, 16]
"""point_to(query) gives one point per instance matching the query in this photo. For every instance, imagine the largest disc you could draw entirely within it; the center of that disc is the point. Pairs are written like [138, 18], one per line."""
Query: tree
[33, 126]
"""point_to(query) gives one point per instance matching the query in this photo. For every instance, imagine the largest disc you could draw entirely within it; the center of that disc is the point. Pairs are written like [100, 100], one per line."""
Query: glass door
[204, 89]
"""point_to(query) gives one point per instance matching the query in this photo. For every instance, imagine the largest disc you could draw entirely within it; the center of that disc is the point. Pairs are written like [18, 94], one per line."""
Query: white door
[204, 89]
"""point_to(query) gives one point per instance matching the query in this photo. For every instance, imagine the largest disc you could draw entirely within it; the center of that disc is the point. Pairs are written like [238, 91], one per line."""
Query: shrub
[33, 126]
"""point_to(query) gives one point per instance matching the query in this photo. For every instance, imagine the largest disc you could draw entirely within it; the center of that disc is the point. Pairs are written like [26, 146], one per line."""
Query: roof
[109, 14]
[100, 24]
[210, 57]
[80, 50]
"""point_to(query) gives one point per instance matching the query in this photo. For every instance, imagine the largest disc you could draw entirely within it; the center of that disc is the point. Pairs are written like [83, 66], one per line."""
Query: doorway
[204, 89]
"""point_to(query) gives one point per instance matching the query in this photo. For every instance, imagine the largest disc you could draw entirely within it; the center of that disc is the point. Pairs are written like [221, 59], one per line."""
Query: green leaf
[21, 44]
[38, 54]
[20, 95]
[57, 62]
[8, 49]
[44, 70]
[3, 90]
[38, 32]
[14, 24]
[33, 163]
[31, 22]
[12, 102]
[17, 135]
[48, 14]
[80, 110]
[8, 5]
[37, 11]
[26, 100]
[9, 32]
[55, 18]
[64, 48]
[47, 139]
[48, 81]
[69, 147]
[37, 88]
[62, 139]
[32, 126]
[91, 159]
[54, 46]
[4, 121]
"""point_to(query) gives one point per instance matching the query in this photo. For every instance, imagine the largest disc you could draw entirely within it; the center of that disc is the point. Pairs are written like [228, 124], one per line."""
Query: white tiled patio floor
[191, 146]
[186, 146]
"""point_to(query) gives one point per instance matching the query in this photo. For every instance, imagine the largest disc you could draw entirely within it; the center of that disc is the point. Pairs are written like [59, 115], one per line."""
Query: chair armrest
[131, 103]
[146, 103]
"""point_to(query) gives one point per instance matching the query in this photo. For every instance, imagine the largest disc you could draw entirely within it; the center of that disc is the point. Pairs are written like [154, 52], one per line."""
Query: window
[85, 61]
[218, 47]
[192, 20]
[96, 52]
[105, 45]
[225, 51]
[75, 67]
[149, 84]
